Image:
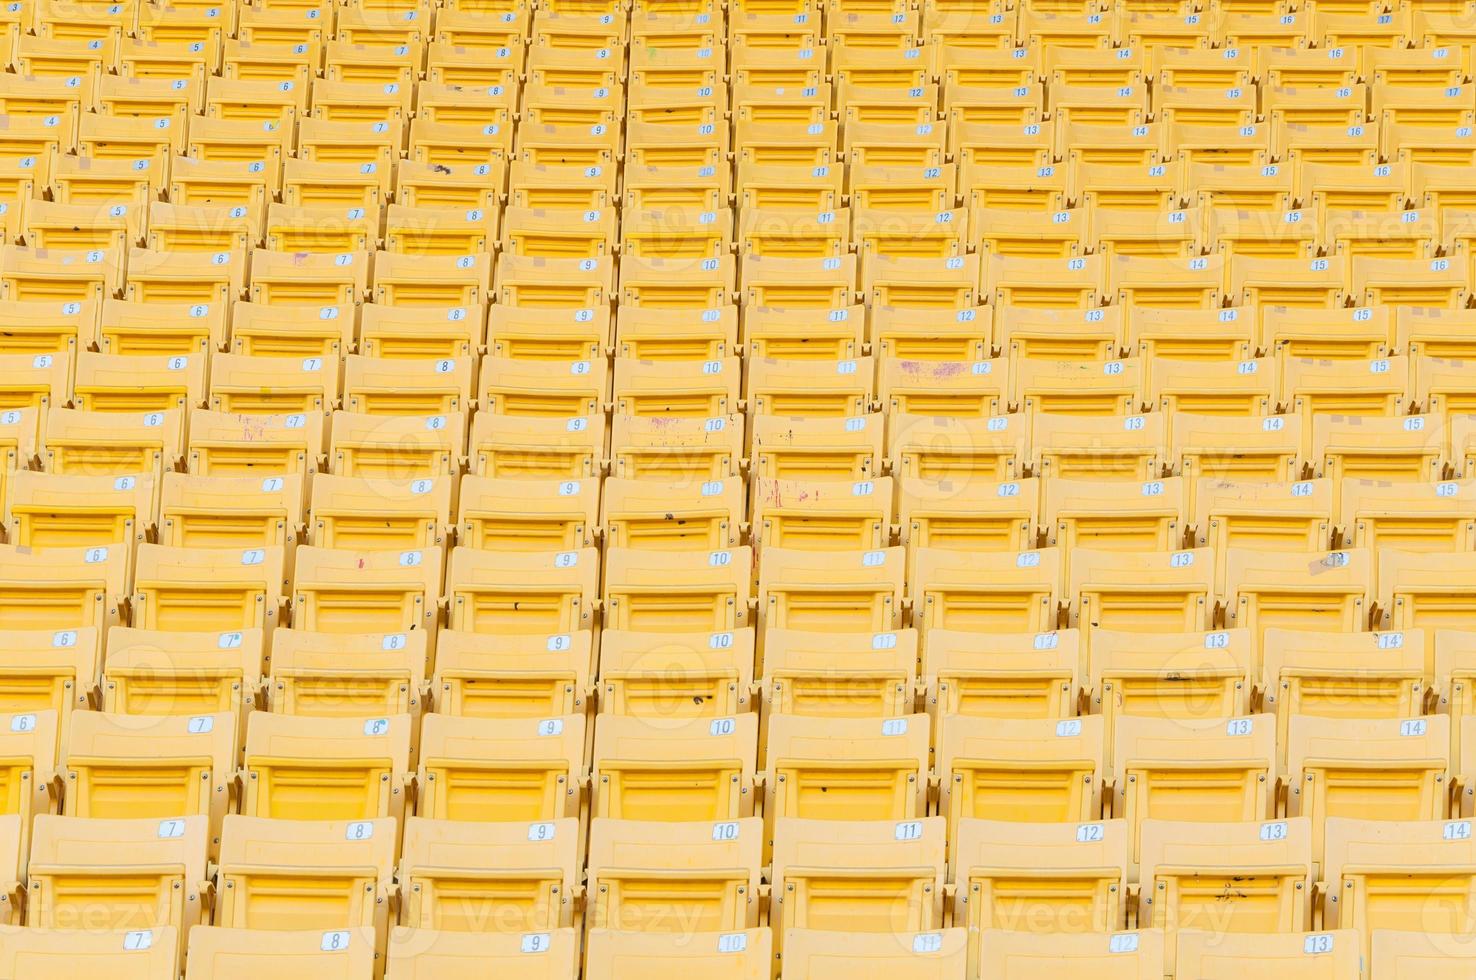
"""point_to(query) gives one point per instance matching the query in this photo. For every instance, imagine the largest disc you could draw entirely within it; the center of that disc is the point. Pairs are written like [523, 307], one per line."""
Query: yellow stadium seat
[1417, 591]
[1207, 387]
[62, 588]
[659, 448]
[1293, 955]
[920, 955]
[1079, 387]
[80, 226]
[986, 592]
[1357, 334]
[944, 389]
[1314, 388]
[224, 444]
[823, 516]
[543, 282]
[302, 767]
[1020, 770]
[1146, 591]
[330, 674]
[1215, 335]
[1114, 515]
[461, 876]
[1432, 332]
[1296, 517]
[365, 592]
[320, 228]
[1391, 769]
[208, 588]
[665, 675]
[1262, 232]
[795, 333]
[676, 389]
[771, 281]
[71, 954]
[258, 385]
[935, 448]
[261, 329]
[1453, 677]
[395, 447]
[822, 882]
[521, 592]
[419, 387]
[847, 591]
[1002, 675]
[1189, 676]
[49, 670]
[674, 770]
[136, 874]
[969, 514]
[839, 675]
[501, 768]
[1041, 878]
[120, 443]
[1029, 234]
[1105, 141]
[683, 515]
[846, 768]
[554, 334]
[37, 382]
[1080, 447]
[282, 279]
[1408, 516]
[1227, 879]
[150, 672]
[1407, 875]
[133, 766]
[45, 328]
[42, 275]
[423, 954]
[305, 874]
[1402, 449]
[227, 511]
[1195, 769]
[55, 511]
[530, 446]
[329, 203]
[824, 389]
[1327, 591]
[1010, 955]
[676, 333]
[128, 327]
[674, 878]
[374, 514]
[497, 513]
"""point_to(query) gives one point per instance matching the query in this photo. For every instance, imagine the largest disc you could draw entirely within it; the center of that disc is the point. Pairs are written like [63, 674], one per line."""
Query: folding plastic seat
[1427, 105]
[1319, 388]
[1433, 332]
[502, 768]
[1417, 591]
[1320, 591]
[346, 954]
[452, 332]
[527, 388]
[1050, 283]
[134, 766]
[1029, 234]
[974, 515]
[199, 589]
[425, 186]
[666, 675]
[1411, 517]
[847, 768]
[72, 954]
[1142, 591]
[1039, 878]
[391, 386]
[256, 385]
[45, 511]
[499, 513]
[822, 389]
[79, 226]
[113, 443]
[1205, 770]
[1442, 386]
[683, 591]
[674, 450]
[896, 888]
[358, 592]
[1383, 875]
[844, 591]
[797, 333]
[531, 446]
[793, 234]
[745, 955]
[1119, 514]
[1356, 334]
[465, 877]
[63, 588]
[320, 229]
[422, 954]
[658, 769]
[1079, 387]
[1171, 675]
[828, 283]
[1026, 770]
[700, 188]
[522, 592]
[694, 284]
[839, 675]
[1262, 232]
[332, 675]
[45, 670]
[222, 444]
[325, 195]
[149, 672]
[985, 592]
[302, 767]
[541, 282]
[878, 188]
[629, 881]
[42, 275]
[1178, 335]
[944, 388]
[676, 234]
[298, 874]
[1401, 449]
[1001, 675]
[290, 279]
[1212, 387]
[548, 144]
[1166, 282]
[303, 330]
[1204, 877]
[1008, 167]
[1280, 516]
[925, 333]
[372, 514]
[910, 236]
[685, 514]
[134, 874]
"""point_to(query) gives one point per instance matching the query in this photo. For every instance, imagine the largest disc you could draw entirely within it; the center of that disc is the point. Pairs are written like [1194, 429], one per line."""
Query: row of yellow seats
[904, 864]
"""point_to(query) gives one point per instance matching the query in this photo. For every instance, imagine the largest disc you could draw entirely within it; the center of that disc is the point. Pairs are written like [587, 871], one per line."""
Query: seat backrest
[538, 765]
[1332, 955]
[632, 762]
[218, 953]
[75, 954]
[357, 592]
[302, 767]
[941, 955]
[1010, 955]
[847, 768]
[429, 954]
[1021, 769]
